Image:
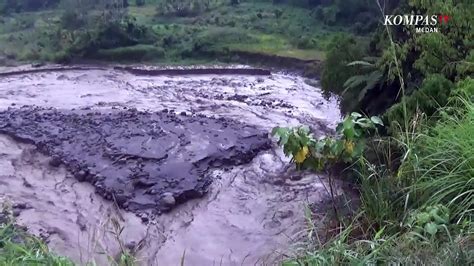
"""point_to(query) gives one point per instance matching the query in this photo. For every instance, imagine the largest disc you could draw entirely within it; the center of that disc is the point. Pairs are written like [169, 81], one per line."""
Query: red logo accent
[443, 19]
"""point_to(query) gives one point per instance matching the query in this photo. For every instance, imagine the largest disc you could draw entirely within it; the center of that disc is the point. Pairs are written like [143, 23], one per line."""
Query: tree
[7, 6]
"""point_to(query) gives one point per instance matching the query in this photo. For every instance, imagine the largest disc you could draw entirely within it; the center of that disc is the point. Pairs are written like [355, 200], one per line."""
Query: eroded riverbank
[254, 207]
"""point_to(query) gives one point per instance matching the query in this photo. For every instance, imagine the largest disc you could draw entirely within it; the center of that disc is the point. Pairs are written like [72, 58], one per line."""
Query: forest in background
[406, 141]
[171, 31]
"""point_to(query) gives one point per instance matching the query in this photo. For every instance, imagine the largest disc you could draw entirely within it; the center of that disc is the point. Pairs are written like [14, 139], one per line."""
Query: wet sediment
[113, 129]
[142, 160]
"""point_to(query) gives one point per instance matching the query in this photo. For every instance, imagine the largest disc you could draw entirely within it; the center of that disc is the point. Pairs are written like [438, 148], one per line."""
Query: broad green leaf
[348, 129]
[371, 80]
[423, 218]
[353, 82]
[284, 139]
[431, 228]
[356, 115]
[360, 63]
[279, 131]
[337, 148]
[303, 130]
[319, 146]
[376, 120]
[364, 123]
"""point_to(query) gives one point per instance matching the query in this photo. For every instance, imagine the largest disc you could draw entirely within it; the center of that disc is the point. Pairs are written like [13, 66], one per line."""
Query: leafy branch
[321, 154]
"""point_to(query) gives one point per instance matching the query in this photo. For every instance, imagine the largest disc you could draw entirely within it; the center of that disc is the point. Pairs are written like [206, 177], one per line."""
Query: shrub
[464, 89]
[306, 42]
[71, 20]
[183, 8]
[433, 94]
[342, 50]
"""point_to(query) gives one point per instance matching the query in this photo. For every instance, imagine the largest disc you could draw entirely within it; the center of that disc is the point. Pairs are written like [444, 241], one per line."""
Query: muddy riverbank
[151, 140]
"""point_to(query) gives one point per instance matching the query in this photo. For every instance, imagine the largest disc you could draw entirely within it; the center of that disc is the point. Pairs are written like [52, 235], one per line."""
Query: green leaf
[360, 63]
[376, 120]
[379, 233]
[357, 132]
[338, 148]
[319, 146]
[423, 218]
[356, 115]
[371, 80]
[353, 82]
[348, 129]
[279, 131]
[275, 131]
[303, 130]
[284, 139]
[431, 228]
[364, 123]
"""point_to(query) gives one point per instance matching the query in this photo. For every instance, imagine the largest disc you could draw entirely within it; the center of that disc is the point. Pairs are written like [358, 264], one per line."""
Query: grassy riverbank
[19, 248]
[418, 214]
[414, 174]
[152, 34]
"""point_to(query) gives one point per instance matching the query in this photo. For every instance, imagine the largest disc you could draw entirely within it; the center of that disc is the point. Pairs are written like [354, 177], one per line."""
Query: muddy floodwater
[169, 165]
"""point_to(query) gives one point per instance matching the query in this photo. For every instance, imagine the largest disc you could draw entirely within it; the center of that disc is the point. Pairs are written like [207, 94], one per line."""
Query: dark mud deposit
[142, 160]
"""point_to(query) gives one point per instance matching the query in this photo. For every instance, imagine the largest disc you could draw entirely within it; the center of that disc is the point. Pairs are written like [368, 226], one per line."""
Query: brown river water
[251, 212]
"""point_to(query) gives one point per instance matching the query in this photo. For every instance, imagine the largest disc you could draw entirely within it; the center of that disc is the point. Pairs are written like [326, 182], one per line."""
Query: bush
[25, 5]
[108, 36]
[183, 8]
[464, 89]
[71, 20]
[433, 94]
[306, 42]
[342, 50]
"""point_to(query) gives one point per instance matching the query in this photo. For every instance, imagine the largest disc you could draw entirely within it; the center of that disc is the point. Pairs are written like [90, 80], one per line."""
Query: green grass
[140, 52]
[257, 28]
[19, 248]
[420, 213]
[443, 168]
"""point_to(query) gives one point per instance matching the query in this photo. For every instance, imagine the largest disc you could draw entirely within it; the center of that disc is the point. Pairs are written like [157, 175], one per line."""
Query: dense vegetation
[169, 31]
[415, 174]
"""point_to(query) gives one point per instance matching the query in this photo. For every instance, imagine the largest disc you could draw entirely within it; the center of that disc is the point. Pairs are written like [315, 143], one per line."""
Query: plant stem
[333, 198]
[397, 66]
